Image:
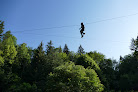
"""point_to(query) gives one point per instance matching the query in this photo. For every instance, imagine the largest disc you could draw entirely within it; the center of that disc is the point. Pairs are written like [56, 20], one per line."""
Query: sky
[33, 21]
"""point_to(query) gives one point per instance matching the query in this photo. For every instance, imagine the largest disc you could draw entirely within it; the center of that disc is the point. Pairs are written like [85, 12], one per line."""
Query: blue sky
[112, 37]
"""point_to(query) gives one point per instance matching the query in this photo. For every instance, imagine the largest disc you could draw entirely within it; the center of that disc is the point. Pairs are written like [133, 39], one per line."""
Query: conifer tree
[60, 49]
[1, 28]
[134, 46]
[66, 50]
[49, 48]
[81, 50]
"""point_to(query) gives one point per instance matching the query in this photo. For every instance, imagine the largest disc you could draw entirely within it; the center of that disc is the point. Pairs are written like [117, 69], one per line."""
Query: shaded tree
[81, 50]
[60, 49]
[66, 50]
[1, 29]
[23, 59]
[23, 87]
[134, 47]
[38, 63]
[49, 48]
[1, 58]
[128, 73]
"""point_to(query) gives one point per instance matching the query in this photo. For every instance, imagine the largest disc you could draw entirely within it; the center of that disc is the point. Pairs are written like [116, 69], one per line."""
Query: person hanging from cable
[82, 29]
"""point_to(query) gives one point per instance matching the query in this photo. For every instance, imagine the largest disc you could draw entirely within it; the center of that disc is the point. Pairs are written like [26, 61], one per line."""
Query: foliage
[49, 69]
[24, 87]
[87, 62]
[1, 59]
[96, 56]
[81, 50]
[1, 27]
[9, 50]
[66, 49]
[73, 78]
[49, 48]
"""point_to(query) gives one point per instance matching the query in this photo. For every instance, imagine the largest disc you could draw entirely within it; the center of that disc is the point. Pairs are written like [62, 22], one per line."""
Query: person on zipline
[82, 29]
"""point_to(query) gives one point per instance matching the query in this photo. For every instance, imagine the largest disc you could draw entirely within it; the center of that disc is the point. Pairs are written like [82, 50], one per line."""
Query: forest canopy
[51, 69]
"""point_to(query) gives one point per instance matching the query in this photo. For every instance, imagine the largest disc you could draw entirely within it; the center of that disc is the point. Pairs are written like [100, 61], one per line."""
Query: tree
[1, 58]
[9, 50]
[49, 48]
[134, 47]
[1, 52]
[96, 56]
[23, 87]
[66, 50]
[60, 49]
[1, 29]
[108, 71]
[8, 35]
[23, 59]
[73, 78]
[38, 61]
[128, 73]
[87, 62]
[81, 50]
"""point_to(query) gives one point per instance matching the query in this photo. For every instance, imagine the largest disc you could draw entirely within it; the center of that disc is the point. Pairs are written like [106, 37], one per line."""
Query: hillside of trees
[50, 69]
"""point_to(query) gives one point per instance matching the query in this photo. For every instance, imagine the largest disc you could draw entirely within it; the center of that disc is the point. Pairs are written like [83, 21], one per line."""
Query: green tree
[49, 48]
[128, 73]
[60, 49]
[9, 50]
[1, 58]
[73, 78]
[66, 50]
[134, 47]
[96, 56]
[87, 62]
[1, 29]
[108, 71]
[81, 50]
[23, 87]
[23, 59]
[8, 35]
[39, 69]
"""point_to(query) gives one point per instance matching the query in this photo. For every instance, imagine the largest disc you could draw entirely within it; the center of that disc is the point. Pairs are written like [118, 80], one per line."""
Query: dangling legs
[81, 34]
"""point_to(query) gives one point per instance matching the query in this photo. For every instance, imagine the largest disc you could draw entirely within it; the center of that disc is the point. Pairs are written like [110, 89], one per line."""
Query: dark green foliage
[49, 48]
[81, 50]
[66, 50]
[24, 87]
[1, 29]
[128, 70]
[134, 47]
[87, 62]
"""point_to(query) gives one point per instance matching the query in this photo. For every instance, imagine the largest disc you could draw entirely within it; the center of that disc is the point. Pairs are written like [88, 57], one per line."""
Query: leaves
[70, 77]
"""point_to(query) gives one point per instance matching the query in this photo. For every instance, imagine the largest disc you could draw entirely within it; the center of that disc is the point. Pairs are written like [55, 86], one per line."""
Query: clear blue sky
[112, 38]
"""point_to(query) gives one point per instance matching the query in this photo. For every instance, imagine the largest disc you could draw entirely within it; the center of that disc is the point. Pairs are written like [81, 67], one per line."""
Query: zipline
[78, 25]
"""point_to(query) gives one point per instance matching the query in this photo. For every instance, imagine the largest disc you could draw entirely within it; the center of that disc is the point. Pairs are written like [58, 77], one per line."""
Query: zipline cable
[111, 18]
[78, 25]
